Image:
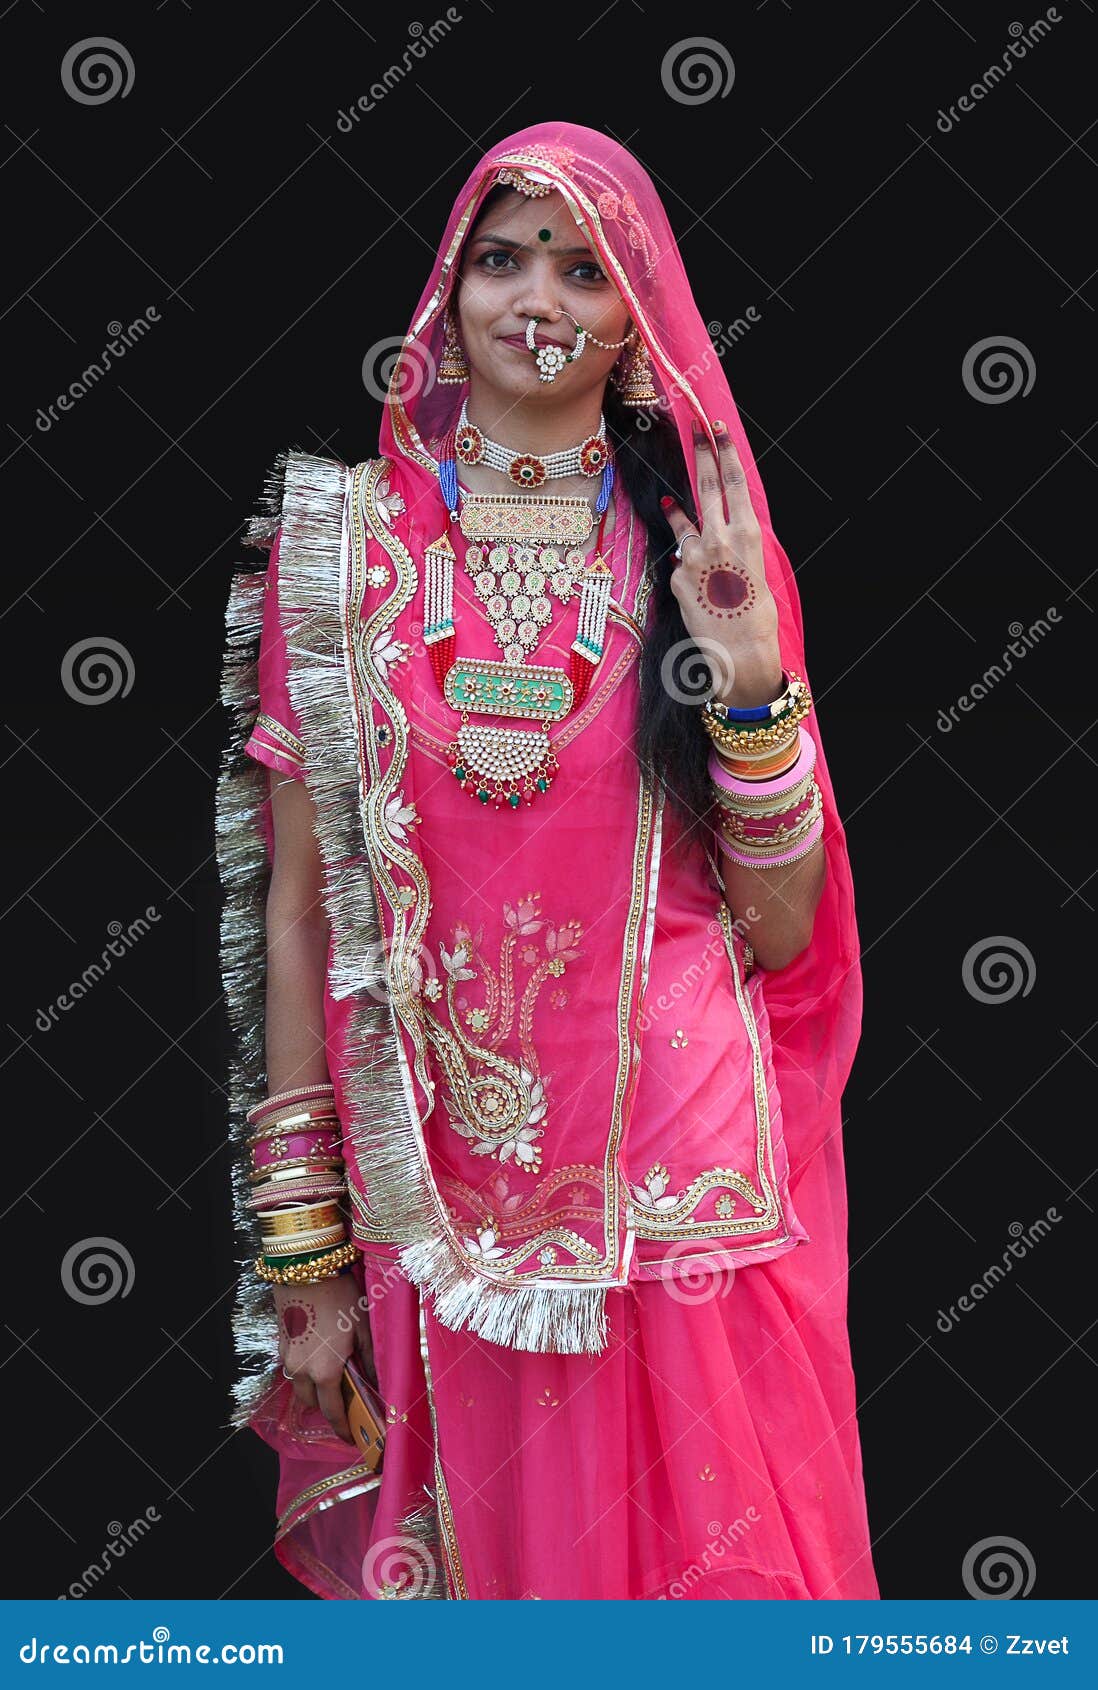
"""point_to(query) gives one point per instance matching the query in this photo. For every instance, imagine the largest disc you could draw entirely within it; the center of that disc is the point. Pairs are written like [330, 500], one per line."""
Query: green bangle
[287, 1261]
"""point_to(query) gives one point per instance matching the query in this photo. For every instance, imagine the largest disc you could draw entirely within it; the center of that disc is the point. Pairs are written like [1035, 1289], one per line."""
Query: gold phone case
[365, 1416]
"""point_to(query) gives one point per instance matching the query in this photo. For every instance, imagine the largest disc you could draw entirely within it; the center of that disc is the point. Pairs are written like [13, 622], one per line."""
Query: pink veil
[815, 1003]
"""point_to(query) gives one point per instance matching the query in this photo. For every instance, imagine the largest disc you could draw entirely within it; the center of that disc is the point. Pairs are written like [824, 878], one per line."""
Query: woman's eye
[488, 257]
[591, 273]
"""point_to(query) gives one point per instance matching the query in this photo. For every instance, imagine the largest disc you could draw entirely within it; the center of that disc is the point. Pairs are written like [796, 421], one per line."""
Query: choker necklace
[527, 469]
[507, 767]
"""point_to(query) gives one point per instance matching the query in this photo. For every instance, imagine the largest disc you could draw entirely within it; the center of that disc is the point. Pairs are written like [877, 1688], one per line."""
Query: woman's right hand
[319, 1326]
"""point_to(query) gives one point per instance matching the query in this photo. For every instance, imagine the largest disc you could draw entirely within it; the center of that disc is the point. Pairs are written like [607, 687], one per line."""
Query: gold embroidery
[289, 744]
[664, 1216]
[497, 1103]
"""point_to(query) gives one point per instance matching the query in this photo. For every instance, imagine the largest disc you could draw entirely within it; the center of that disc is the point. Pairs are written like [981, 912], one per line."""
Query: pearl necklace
[526, 469]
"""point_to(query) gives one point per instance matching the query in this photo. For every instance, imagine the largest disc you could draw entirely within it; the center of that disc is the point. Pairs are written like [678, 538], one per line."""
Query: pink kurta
[711, 1449]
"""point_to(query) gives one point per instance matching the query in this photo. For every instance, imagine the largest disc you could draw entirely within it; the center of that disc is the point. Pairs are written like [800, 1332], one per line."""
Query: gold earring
[454, 367]
[633, 376]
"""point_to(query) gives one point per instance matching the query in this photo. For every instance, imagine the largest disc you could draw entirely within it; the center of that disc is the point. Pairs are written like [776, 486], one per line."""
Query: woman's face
[526, 258]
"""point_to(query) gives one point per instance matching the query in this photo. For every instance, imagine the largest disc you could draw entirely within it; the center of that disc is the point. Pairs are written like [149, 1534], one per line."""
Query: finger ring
[682, 542]
[286, 1374]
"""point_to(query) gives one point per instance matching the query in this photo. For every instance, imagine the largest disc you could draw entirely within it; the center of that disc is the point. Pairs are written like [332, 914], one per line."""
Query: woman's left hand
[720, 582]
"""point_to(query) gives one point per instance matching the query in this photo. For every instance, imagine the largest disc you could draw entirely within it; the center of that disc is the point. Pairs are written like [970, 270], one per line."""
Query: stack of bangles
[769, 808]
[298, 1187]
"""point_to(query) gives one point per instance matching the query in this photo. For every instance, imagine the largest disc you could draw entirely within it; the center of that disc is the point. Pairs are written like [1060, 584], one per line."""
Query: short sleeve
[276, 737]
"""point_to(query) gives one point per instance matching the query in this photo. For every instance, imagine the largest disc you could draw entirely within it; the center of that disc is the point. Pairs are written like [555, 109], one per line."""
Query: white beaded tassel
[594, 606]
[438, 591]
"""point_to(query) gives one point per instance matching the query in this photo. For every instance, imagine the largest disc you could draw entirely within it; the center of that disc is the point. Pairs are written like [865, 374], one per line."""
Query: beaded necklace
[507, 767]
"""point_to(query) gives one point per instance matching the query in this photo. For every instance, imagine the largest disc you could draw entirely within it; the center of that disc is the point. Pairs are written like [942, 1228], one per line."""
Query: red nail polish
[667, 502]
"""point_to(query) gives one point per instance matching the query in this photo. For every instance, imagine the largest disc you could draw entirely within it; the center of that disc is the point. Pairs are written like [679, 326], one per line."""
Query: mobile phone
[365, 1414]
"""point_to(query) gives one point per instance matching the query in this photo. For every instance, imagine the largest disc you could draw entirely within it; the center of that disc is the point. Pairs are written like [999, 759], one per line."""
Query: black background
[923, 522]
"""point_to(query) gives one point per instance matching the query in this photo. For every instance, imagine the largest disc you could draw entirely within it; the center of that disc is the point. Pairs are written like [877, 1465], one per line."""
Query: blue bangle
[757, 712]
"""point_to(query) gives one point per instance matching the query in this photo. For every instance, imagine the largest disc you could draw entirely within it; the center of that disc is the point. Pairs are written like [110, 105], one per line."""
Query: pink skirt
[710, 1452]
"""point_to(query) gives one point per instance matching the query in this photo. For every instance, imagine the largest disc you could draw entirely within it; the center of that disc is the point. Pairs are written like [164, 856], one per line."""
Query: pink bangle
[790, 856]
[758, 829]
[320, 1091]
[806, 761]
[270, 1151]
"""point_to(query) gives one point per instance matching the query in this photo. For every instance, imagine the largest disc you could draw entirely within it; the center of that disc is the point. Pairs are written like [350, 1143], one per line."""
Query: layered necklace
[519, 553]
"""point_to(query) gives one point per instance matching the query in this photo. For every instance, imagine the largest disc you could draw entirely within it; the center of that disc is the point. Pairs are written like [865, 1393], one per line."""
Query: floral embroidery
[399, 816]
[386, 650]
[547, 1256]
[388, 505]
[608, 204]
[652, 1193]
[433, 988]
[498, 1102]
[383, 734]
[484, 1246]
[725, 1207]
[377, 575]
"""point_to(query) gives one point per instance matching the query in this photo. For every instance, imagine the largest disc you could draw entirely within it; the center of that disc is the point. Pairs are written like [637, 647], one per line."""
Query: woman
[541, 953]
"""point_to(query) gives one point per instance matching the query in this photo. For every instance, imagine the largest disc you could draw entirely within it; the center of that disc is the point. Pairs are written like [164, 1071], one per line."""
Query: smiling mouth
[539, 340]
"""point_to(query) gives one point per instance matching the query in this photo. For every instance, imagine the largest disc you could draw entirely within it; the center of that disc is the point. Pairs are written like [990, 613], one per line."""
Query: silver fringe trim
[242, 862]
[550, 1318]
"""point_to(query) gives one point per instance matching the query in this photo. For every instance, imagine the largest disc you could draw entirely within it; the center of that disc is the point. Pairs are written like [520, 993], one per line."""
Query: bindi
[726, 591]
[545, 234]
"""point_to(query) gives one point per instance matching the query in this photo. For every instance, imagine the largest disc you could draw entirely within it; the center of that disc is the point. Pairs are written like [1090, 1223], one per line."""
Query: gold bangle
[307, 1273]
[294, 1246]
[303, 1217]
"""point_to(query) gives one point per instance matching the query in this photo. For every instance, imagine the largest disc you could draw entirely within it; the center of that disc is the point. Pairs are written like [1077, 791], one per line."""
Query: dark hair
[670, 746]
